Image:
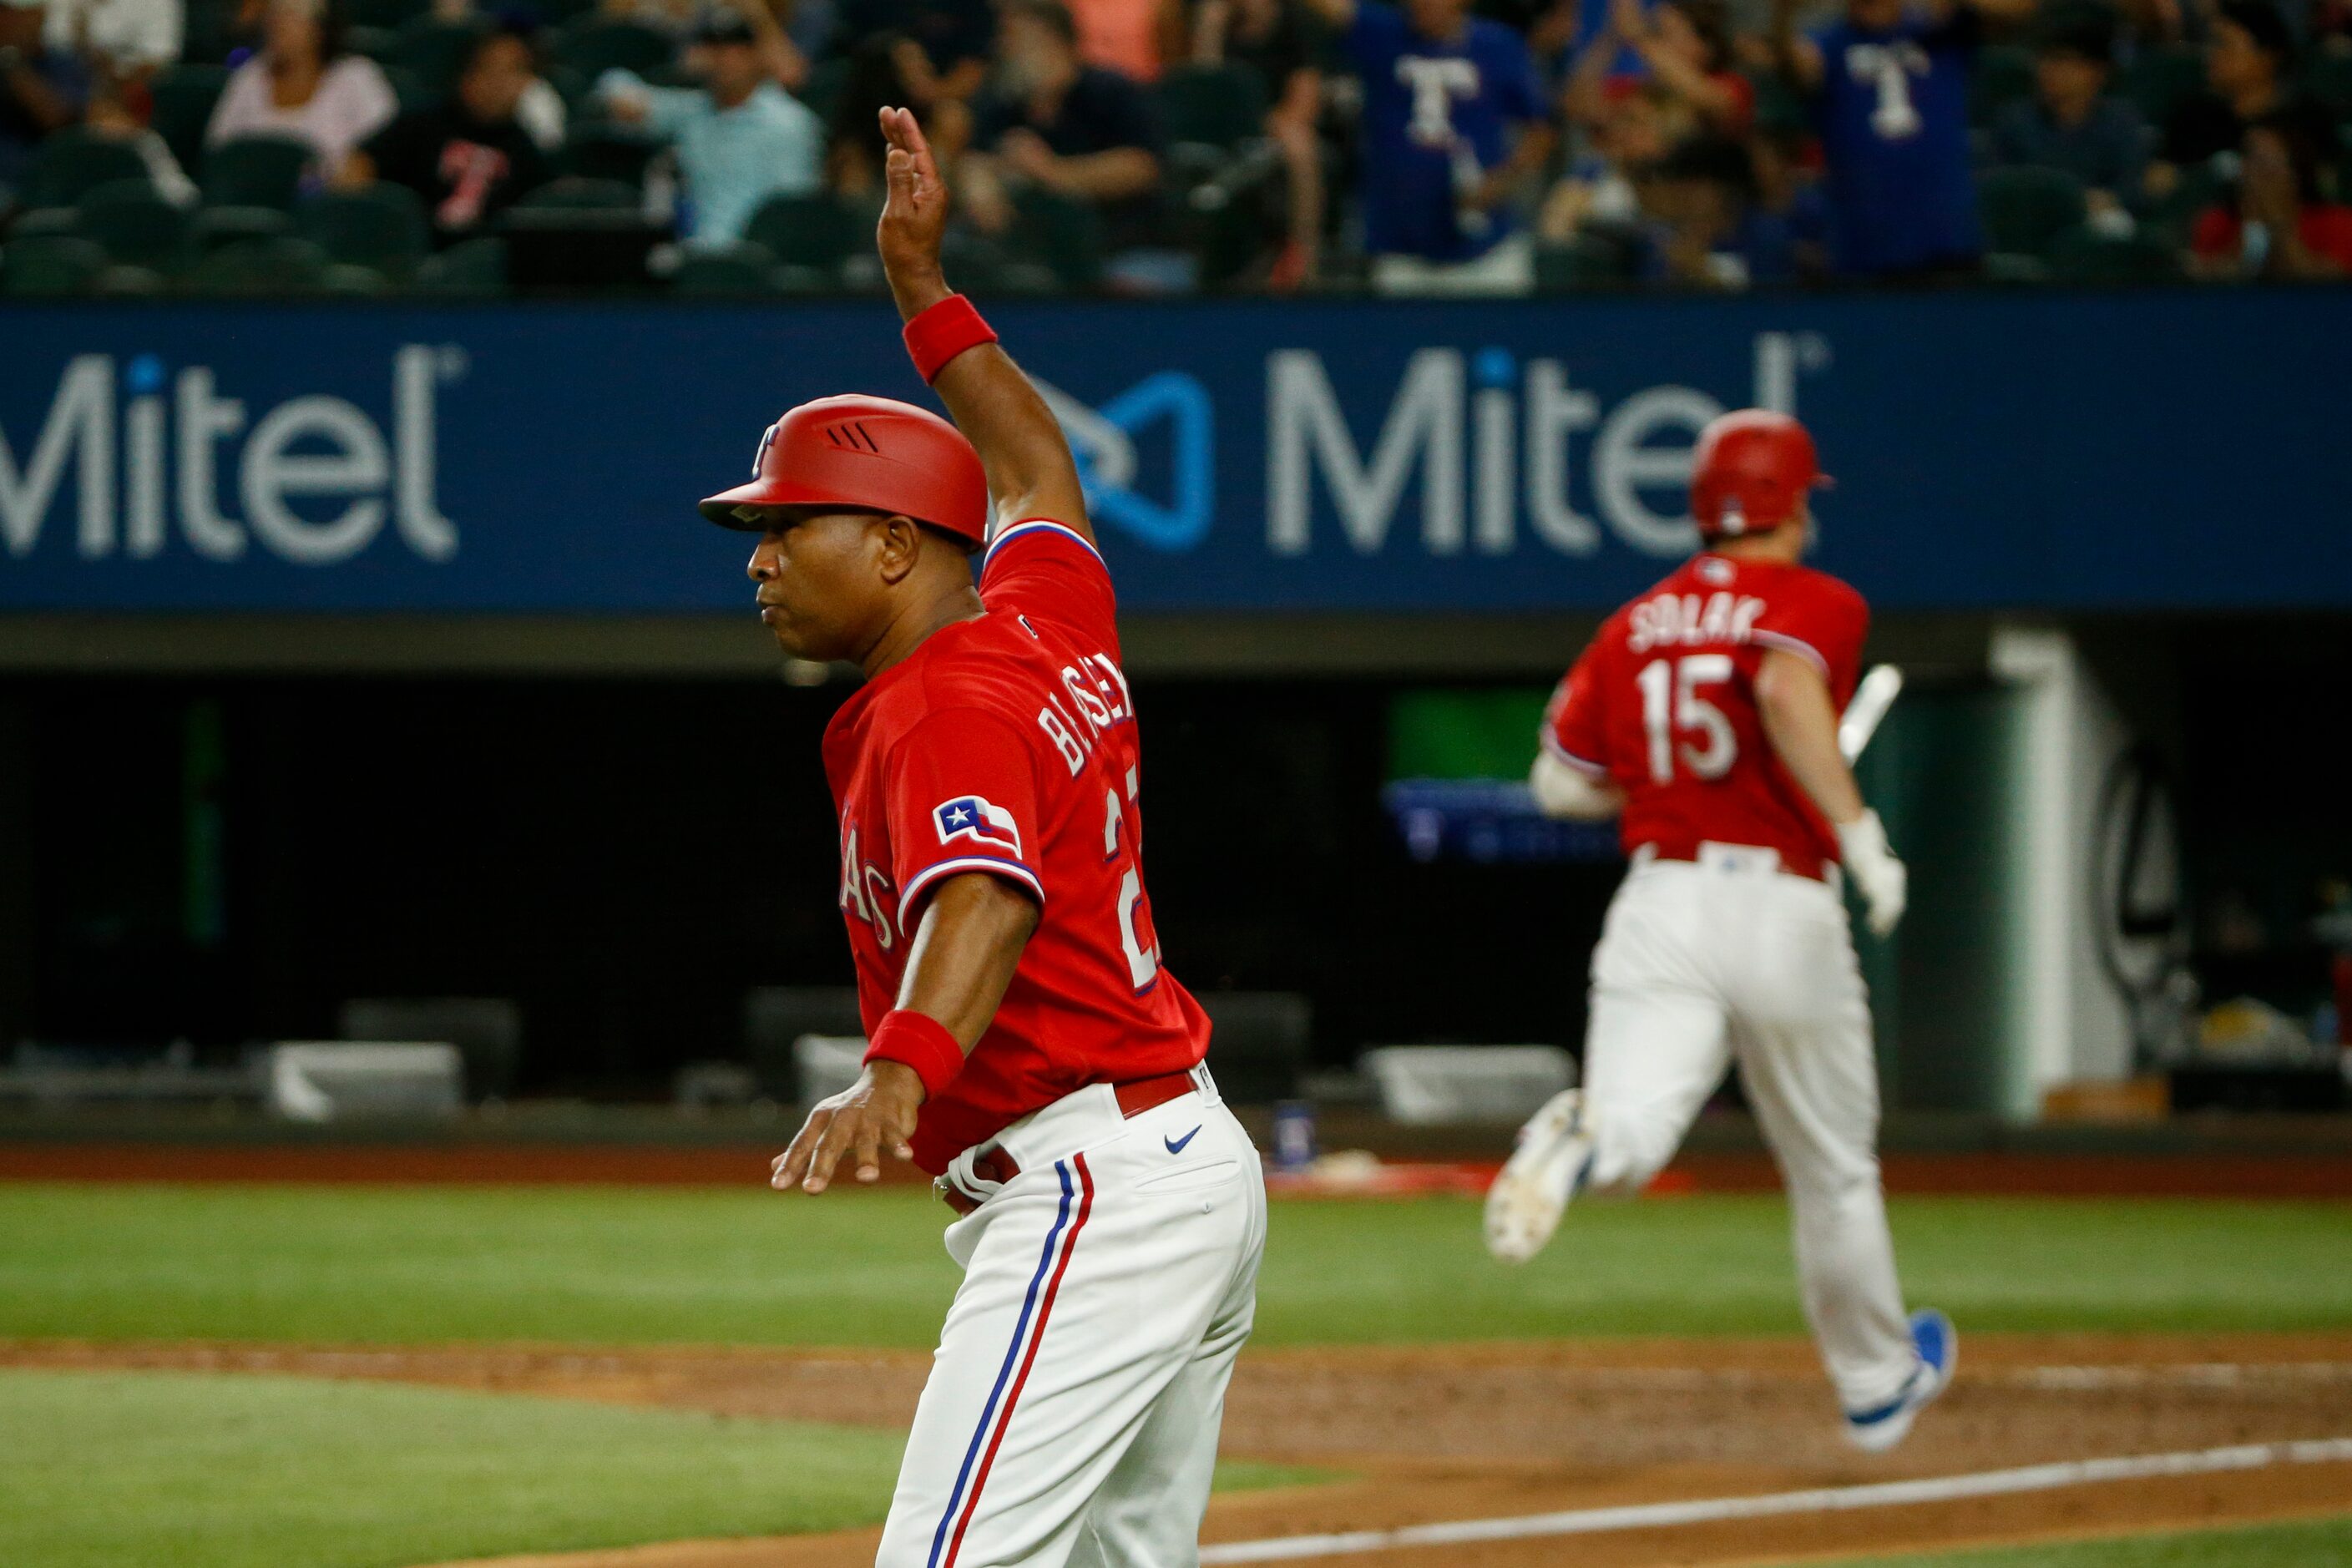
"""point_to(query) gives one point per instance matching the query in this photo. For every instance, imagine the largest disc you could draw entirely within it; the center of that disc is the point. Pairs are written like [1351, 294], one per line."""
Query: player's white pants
[1073, 1406]
[1728, 960]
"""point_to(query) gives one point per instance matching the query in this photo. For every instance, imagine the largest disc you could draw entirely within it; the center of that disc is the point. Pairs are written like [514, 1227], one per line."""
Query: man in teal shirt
[741, 138]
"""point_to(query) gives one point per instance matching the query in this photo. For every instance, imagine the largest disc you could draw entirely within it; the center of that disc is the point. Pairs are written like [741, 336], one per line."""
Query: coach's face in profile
[827, 580]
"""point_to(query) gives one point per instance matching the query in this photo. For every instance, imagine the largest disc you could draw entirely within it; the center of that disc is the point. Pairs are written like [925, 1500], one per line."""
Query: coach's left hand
[875, 1112]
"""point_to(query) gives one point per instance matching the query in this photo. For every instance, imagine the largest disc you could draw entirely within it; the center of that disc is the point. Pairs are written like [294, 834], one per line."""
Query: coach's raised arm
[1030, 471]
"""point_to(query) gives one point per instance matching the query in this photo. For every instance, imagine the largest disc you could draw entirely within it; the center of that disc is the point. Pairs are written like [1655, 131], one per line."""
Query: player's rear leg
[1653, 1055]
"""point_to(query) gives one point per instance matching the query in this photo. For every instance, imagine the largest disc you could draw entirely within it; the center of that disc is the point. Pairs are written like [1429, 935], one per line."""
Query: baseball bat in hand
[1872, 699]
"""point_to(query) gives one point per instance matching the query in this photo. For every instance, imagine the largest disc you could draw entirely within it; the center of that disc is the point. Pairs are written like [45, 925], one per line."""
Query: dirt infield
[1480, 1432]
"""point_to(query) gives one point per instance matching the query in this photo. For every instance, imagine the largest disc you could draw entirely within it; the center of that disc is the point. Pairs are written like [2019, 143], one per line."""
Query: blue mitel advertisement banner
[1993, 450]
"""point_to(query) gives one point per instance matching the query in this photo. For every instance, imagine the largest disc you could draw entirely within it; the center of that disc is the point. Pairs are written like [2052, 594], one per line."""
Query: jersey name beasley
[1663, 704]
[1006, 745]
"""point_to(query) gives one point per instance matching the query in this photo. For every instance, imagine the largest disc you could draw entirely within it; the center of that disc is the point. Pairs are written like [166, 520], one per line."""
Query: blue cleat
[1938, 1348]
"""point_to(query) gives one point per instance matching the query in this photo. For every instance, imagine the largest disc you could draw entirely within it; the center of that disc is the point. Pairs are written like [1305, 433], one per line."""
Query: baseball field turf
[113, 1465]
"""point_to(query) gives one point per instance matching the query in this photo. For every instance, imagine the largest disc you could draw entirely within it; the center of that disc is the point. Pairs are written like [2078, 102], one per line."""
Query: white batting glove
[1885, 882]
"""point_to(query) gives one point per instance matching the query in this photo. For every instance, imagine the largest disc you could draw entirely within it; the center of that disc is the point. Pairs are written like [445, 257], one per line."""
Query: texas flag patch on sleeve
[972, 817]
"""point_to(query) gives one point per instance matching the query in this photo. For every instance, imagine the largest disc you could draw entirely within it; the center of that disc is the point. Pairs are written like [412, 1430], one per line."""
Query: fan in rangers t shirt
[1703, 715]
[1025, 1045]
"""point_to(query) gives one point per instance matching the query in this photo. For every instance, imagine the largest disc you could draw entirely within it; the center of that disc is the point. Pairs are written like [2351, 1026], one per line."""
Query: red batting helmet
[865, 454]
[1751, 473]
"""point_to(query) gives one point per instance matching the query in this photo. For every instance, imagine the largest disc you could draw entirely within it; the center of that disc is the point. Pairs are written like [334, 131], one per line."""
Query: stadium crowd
[1166, 146]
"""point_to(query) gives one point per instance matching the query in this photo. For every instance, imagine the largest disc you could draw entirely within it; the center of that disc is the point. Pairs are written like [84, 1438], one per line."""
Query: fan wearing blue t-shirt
[1454, 124]
[1889, 85]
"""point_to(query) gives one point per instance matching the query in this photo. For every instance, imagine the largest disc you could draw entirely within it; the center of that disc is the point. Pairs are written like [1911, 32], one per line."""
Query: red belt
[1135, 1097]
[1816, 871]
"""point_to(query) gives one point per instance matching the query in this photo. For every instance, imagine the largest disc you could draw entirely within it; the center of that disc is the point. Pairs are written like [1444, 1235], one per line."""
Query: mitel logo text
[1491, 437]
[316, 479]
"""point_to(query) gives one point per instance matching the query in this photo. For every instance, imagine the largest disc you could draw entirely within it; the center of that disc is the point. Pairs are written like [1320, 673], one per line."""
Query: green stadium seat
[472, 269]
[380, 44]
[2086, 257]
[2026, 209]
[577, 194]
[2000, 76]
[388, 16]
[260, 269]
[134, 225]
[817, 231]
[598, 150]
[382, 227]
[827, 80]
[1214, 105]
[737, 272]
[2328, 82]
[210, 228]
[70, 161]
[437, 50]
[2160, 78]
[2174, 215]
[121, 282]
[49, 266]
[595, 45]
[183, 97]
[1058, 233]
[1587, 261]
[40, 223]
[256, 172]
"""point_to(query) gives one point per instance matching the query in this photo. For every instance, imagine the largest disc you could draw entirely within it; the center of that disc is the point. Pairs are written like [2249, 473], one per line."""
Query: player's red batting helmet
[1751, 473]
[865, 454]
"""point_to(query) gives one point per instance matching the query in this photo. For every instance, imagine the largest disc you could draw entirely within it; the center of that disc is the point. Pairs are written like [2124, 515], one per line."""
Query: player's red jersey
[1663, 704]
[1007, 745]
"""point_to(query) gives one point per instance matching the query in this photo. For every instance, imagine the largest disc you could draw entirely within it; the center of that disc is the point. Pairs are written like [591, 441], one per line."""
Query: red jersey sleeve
[1574, 727]
[963, 798]
[1823, 622]
[1048, 572]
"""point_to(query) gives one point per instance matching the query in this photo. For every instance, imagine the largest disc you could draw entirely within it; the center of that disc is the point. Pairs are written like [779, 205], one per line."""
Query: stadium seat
[40, 223]
[595, 45]
[49, 266]
[472, 270]
[259, 268]
[575, 194]
[736, 271]
[2087, 256]
[827, 80]
[256, 172]
[2159, 77]
[1059, 233]
[817, 231]
[71, 162]
[1214, 105]
[2196, 187]
[437, 50]
[2328, 82]
[389, 16]
[2002, 76]
[210, 228]
[597, 150]
[2025, 210]
[1588, 261]
[134, 225]
[382, 227]
[380, 44]
[410, 90]
[183, 97]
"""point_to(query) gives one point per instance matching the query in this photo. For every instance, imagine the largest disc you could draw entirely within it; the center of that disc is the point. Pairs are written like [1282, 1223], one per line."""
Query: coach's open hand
[875, 1112]
[914, 215]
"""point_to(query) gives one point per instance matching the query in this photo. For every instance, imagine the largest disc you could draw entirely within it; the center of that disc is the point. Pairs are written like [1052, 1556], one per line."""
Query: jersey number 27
[1674, 704]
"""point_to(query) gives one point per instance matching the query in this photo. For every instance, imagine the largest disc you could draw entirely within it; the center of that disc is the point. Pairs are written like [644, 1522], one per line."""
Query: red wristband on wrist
[919, 1041]
[939, 333]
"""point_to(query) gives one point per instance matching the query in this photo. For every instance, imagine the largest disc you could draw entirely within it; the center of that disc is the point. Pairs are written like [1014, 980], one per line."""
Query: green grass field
[420, 1265]
[2303, 1545]
[208, 1470]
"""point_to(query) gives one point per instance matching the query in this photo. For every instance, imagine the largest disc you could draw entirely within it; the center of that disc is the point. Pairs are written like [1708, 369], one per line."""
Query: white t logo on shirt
[1435, 81]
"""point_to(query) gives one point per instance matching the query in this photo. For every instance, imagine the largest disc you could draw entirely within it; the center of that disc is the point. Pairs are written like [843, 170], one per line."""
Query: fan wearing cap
[1704, 716]
[1026, 1045]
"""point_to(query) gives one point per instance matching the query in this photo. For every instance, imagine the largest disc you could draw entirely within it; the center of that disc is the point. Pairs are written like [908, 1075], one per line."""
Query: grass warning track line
[1818, 1499]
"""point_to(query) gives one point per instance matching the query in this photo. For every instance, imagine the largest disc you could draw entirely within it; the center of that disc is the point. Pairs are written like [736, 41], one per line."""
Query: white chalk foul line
[1819, 1500]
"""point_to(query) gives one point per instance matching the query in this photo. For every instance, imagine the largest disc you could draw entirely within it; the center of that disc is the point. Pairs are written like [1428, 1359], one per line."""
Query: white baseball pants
[1728, 959]
[1073, 1406]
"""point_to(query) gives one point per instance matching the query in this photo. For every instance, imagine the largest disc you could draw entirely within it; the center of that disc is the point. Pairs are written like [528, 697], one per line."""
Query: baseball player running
[1704, 716]
[1025, 1046]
